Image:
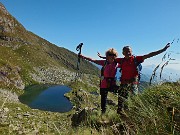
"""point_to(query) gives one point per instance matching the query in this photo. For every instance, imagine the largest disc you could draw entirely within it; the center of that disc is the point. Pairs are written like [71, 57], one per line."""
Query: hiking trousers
[124, 92]
[103, 93]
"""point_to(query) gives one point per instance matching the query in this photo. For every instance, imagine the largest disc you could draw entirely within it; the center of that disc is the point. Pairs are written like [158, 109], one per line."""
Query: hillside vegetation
[23, 54]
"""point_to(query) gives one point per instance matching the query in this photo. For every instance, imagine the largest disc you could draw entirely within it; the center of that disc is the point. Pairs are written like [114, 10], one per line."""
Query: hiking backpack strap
[138, 67]
[121, 62]
[103, 67]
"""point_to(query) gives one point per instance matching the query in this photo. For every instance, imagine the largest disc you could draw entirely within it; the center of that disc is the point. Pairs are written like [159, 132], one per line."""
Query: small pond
[47, 98]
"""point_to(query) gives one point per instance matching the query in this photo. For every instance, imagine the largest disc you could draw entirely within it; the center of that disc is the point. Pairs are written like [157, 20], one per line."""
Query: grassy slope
[40, 53]
[23, 49]
[155, 111]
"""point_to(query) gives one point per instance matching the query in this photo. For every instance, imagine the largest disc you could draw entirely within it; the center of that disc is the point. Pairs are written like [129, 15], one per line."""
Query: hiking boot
[126, 107]
[103, 111]
[119, 110]
[121, 113]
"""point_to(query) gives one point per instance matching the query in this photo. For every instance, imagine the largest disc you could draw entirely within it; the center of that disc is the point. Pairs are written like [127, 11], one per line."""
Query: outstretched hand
[80, 55]
[99, 55]
[166, 47]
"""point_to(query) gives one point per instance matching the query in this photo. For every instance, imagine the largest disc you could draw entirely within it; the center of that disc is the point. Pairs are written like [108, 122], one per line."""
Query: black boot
[119, 110]
[103, 111]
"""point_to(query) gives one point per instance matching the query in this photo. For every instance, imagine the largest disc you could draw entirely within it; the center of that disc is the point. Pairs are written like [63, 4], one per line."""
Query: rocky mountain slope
[26, 58]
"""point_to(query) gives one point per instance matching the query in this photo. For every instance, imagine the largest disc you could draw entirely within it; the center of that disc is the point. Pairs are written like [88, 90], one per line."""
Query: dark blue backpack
[138, 68]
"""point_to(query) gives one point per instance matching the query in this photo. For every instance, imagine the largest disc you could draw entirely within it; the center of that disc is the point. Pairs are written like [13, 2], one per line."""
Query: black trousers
[103, 93]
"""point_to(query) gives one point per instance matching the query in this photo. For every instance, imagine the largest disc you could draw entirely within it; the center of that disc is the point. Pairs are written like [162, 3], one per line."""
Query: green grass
[154, 112]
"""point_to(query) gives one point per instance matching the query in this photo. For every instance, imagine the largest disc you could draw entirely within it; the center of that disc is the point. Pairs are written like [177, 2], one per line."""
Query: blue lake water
[47, 98]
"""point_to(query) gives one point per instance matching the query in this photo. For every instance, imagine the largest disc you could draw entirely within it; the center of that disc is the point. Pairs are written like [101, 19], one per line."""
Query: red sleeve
[140, 59]
[118, 60]
[100, 62]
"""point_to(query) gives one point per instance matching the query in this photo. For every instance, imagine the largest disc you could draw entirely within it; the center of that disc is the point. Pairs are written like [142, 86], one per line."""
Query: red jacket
[129, 68]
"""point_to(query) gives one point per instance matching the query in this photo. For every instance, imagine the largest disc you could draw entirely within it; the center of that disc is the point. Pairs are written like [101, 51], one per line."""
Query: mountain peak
[10, 28]
[3, 9]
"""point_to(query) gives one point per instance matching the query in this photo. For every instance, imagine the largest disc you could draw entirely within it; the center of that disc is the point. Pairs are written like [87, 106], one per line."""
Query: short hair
[111, 51]
[126, 47]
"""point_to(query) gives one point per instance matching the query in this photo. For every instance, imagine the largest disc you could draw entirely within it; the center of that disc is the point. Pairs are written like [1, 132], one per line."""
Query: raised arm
[87, 58]
[100, 56]
[156, 52]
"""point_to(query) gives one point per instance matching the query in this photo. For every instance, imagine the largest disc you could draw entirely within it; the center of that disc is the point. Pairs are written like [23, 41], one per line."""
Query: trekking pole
[78, 48]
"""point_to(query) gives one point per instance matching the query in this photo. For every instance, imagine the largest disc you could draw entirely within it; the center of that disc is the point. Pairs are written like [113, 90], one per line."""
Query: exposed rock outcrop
[8, 96]
[10, 75]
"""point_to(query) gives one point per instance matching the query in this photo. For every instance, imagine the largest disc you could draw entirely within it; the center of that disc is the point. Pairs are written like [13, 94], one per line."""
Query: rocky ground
[8, 96]
[19, 119]
[53, 75]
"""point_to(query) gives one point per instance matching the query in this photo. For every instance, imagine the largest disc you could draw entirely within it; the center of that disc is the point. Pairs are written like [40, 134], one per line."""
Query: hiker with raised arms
[129, 73]
[108, 72]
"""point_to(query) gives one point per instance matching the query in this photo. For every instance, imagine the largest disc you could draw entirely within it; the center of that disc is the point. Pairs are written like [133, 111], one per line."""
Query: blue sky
[145, 25]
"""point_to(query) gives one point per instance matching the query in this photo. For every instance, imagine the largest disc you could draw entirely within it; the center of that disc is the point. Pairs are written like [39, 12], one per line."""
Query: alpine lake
[47, 98]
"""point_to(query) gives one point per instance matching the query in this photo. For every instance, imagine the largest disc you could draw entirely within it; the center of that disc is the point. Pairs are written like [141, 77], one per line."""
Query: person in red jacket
[129, 73]
[108, 72]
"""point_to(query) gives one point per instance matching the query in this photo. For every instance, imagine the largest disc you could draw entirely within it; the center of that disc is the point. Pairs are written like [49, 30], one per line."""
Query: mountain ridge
[24, 55]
